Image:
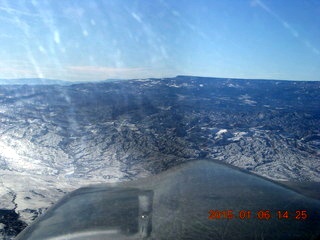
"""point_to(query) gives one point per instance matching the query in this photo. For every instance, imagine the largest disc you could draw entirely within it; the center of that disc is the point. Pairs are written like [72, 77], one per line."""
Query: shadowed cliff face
[57, 138]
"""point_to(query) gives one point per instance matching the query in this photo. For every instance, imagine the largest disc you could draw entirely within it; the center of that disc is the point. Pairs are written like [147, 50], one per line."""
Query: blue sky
[94, 39]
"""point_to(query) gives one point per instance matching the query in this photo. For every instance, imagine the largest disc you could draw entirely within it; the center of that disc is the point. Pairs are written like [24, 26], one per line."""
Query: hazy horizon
[2, 80]
[97, 40]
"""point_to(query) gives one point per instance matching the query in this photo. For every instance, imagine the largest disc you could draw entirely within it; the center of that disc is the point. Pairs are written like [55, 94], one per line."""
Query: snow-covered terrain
[56, 138]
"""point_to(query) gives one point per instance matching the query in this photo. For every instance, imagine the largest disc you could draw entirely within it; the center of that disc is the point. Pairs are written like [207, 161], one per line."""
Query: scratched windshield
[101, 92]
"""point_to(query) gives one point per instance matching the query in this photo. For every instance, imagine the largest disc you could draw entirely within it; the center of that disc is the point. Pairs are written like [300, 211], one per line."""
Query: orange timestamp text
[263, 214]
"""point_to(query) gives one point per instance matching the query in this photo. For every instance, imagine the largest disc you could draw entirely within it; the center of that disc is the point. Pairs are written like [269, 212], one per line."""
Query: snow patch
[220, 133]
[247, 100]
[238, 136]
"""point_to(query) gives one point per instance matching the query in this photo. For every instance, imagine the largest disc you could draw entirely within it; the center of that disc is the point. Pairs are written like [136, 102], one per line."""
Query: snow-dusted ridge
[56, 138]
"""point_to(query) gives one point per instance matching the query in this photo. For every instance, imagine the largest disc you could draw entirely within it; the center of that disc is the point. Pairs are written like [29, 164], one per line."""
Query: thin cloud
[30, 69]
[286, 25]
[26, 69]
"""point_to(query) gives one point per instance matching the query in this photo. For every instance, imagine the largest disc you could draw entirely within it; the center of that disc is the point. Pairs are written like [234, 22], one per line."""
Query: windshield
[113, 91]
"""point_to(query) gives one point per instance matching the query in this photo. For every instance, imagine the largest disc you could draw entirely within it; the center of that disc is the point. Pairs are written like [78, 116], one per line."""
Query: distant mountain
[34, 81]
